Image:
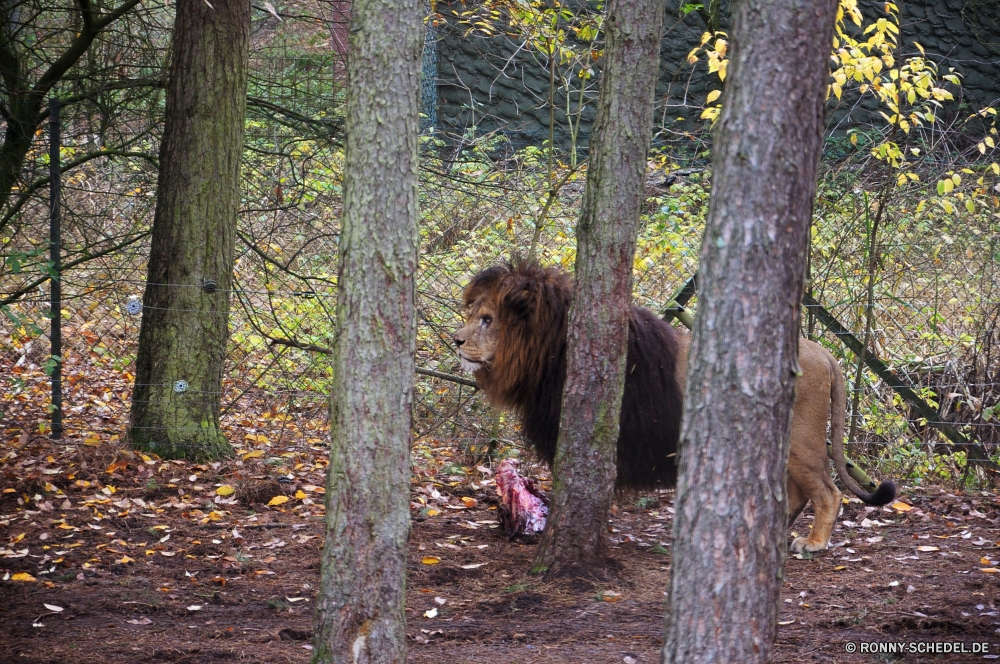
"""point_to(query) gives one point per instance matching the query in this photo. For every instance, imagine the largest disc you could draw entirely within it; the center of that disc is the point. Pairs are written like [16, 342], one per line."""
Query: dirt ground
[108, 557]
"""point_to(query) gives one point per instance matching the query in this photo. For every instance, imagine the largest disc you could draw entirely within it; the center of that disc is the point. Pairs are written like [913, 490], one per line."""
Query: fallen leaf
[428, 560]
[141, 621]
[838, 567]
[990, 570]
[22, 576]
[472, 566]
[194, 607]
[441, 600]
[277, 500]
[432, 512]
[254, 454]
[299, 495]
[431, 613]
[786, 622]
[900, 506]
[927, 548]
[225, 490]
[53, 607]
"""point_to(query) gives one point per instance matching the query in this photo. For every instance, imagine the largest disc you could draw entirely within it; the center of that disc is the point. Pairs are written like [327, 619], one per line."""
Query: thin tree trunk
[185, 322]
[584, 469]
[730, 524]
[359, 611]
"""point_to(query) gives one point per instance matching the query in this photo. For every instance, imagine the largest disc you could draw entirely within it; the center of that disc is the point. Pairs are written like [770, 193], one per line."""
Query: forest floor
[109, 557]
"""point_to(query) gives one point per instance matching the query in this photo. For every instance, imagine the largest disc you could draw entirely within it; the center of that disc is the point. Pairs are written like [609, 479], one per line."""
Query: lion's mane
[528, 371]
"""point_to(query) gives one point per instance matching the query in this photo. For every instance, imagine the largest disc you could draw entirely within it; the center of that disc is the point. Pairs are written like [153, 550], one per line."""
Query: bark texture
[185, 321]
[730, 524]
[359, 611]
[584, 468]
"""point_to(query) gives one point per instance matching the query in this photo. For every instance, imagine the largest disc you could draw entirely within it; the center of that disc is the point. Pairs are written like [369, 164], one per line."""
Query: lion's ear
[520, 298]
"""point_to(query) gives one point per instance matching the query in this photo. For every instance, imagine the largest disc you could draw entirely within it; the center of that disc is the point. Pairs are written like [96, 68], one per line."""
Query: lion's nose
[459, 342]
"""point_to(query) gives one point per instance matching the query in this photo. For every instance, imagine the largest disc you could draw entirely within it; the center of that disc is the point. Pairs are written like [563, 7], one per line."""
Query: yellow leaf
[253, 455]
[300, 494]
[22, 576]
[225, 490]
[839, 567]
[987, 570]
[428, 560]
[433, 512]
[901, 506]
[277, 500]
[713, 95]
[984, 561]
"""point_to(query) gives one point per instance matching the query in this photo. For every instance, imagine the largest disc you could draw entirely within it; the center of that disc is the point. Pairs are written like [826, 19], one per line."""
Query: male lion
[514, 341]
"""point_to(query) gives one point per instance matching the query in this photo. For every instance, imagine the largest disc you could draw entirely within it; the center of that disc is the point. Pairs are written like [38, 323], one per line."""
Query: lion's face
[476, 341]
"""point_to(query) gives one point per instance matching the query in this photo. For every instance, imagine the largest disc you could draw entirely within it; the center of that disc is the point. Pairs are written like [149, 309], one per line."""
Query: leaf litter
[227, 555]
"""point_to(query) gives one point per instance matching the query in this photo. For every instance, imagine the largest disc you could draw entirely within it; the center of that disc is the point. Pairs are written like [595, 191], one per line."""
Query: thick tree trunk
[185, 321]
[584, 469]
[359, 611]
[730, 523]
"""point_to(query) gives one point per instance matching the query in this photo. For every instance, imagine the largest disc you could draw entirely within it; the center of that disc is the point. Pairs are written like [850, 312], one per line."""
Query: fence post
[55, 273]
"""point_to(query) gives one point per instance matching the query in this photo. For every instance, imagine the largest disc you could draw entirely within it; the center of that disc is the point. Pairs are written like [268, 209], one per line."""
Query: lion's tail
[886, 491]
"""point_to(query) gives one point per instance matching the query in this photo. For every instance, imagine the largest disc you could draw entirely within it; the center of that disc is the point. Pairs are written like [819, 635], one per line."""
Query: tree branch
[25, 195]
[13, 297]
[276, 341]
[79, 46]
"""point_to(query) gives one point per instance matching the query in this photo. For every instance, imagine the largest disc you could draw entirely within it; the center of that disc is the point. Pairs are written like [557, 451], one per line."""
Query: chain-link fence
[934, 297]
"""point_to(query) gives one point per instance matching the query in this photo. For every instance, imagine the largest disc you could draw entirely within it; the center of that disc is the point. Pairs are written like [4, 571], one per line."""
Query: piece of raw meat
[523, 508]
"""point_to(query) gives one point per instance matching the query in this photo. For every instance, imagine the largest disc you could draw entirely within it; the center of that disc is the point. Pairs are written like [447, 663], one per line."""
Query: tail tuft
[884, 494]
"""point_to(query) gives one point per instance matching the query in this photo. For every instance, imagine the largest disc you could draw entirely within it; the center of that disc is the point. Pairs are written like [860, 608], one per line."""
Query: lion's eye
[487, 320]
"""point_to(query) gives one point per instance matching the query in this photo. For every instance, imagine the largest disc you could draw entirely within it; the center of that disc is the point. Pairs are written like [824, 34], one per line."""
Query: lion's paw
[803, 545]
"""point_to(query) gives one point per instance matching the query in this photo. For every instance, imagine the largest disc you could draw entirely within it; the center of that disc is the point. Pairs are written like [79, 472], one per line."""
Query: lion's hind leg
[826, 499]
[797, 500]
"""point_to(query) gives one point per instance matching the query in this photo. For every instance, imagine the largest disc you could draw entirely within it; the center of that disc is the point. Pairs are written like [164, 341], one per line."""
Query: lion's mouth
[468, 365]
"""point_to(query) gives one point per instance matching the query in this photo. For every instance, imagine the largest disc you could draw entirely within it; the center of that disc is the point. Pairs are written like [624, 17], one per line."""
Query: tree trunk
[584, 468]
[730, 524]
[359, 611]
[185, 322]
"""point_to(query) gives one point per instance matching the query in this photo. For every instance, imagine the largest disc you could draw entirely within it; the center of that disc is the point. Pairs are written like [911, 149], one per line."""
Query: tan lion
[514, 341]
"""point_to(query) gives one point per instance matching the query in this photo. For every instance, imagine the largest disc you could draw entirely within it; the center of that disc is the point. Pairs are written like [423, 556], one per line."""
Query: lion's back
[652, 405]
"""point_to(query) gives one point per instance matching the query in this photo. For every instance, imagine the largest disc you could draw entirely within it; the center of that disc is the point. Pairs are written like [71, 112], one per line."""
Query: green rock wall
[500, 85]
